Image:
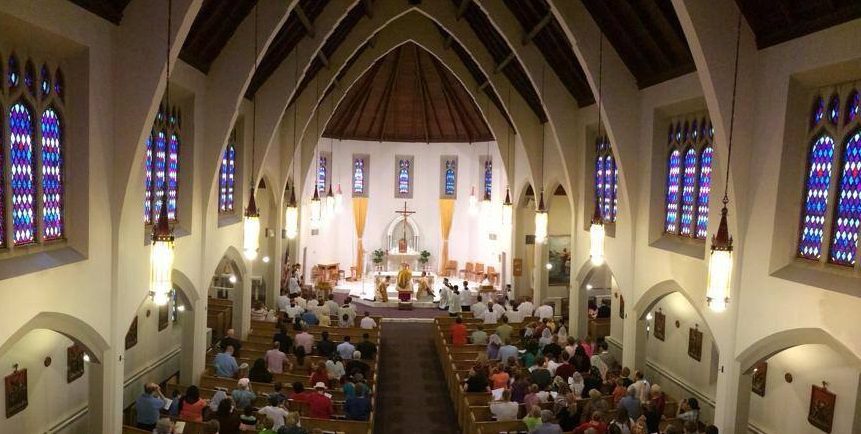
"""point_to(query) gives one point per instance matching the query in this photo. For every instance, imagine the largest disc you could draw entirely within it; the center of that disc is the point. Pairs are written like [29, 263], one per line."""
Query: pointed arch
[66, 325]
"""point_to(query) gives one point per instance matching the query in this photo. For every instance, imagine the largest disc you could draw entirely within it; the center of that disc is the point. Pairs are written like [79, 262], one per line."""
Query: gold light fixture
[720, 261]
[541, 217]
[597, 232]
[251, 216]
[507, 208]
[162, 250]
[291, 214]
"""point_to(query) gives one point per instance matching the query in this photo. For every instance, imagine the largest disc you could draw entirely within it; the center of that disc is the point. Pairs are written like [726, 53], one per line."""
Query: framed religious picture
[74, 363]
[517, 267]
[758, 381]
[621, 306]
[132, 334]
[695, 344]
[16, 392]
[660, 330]
[821, 414]
[559, 251]
[163, 316]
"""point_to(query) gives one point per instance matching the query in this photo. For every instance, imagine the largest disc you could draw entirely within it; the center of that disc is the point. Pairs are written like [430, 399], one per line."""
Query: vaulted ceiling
[408, 95]
[646, 34]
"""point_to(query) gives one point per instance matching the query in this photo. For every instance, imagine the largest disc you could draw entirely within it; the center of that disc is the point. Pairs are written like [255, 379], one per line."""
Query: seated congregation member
[325, 347]
[658, 398]
[225, 364]
[345, 349]
[259, 312]
[565, 369]
[476, 381]
[553, 348]
[291, 425]
[309, 317]
[520, 386]
[532, 398]
[298, 392]
[243, 396]
[148, 406]
[577, 385]
[275, 359]
[278, 392]
[547, 426]
[323, 319]
[285, 342]
[494, 343]
[504, 409]
[358, 407]
[164, 426]
[366, 347]
[230, 340]
[268, 425]
[247, 420]
[335, 368]
[533, 418]
[642, 386]
[595, 423]
[458, 333]
[367, 322]
[478, 337]
[320, 405]
[504, 330]
[305, 340]
[259, 372]
[540, 375]
[507, 353]
[357, 366]
[319, 374]
[227, 417]
[569, 415]
[275, 412]
[623, 421]
[689, 410]
[499, 378]
[191, 405]
[595, 403]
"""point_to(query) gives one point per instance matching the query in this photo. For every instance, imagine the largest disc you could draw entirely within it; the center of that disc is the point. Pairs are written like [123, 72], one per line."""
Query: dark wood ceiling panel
[213, 27]
[408, 95]
[290, 34]
[647, 35]
[554, 45]
[776, 21]
[111, 10]
[502, 53]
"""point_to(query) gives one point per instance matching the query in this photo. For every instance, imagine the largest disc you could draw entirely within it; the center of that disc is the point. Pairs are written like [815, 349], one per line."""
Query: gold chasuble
[405, 277]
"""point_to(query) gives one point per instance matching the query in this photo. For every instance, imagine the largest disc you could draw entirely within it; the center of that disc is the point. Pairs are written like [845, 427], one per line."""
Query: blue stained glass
[404, 177]
[816, 197]
[59, 85]
[359, 176]
[46, 81]
[227, 179]
[834, 109]
[599, 181]
[853, 106]
[52, 175]
[695, 132]
[322, 169]
[21, 163]
[609, 204]
[2, 190]
[30, 77]
[844, 243]
[818, 111]
[173, 177]
[679, 132]
[673, 178]
[704, 191]
[148, 182]
[488, 177]
[12, 73]
[689, 185]
[450, 178]
[155, 166]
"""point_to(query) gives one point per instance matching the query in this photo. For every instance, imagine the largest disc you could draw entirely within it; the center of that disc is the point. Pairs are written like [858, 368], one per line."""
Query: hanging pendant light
[541, 218]
[597, 232]
[162, 250]
[507, 205]
[720, 261]
[316, 210]
[291, 216]
[251, 216]
[251, 228]
[330, 203]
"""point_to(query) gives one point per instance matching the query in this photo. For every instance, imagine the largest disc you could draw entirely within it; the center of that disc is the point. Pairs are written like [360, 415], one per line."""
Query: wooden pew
[333, 425]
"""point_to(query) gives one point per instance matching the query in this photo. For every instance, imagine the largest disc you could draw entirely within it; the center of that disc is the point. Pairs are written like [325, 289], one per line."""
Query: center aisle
[412, 394]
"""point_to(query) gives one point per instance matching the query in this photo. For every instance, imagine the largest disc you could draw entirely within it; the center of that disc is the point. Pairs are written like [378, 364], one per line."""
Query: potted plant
[424, 257]
[377, 258]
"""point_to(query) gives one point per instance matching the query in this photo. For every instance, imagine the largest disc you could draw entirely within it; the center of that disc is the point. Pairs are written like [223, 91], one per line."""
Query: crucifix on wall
[402, 243]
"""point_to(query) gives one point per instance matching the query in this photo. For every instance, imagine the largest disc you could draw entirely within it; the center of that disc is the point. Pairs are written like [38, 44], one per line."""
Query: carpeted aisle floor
[412, 395]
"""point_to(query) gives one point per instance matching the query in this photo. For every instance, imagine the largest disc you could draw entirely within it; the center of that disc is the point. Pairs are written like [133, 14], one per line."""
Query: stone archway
[230, 281]
[596, 283]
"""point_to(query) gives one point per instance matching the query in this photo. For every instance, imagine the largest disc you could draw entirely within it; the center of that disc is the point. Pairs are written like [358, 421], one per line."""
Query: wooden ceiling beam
[303, 18]
[369, 10]
[423, 97]
[504, 63]
[548, 18]
[464, 5]
[322, 56]
[447, 42]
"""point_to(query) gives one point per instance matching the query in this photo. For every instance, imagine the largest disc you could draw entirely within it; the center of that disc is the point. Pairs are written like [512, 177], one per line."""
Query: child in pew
[291, 425]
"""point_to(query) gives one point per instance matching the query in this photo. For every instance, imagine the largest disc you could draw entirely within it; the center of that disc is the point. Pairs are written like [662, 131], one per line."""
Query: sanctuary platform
[363, 291]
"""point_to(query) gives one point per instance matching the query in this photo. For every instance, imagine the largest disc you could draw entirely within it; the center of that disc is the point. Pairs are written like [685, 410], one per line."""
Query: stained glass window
[599, 181]
[59, 85]
[162, 165]
[816, 197]
[21, 163]
[404, 177]
[488, 177]
[172, 176]
[322, 171]
[358, 176]
[834, 109]
[847, 219]
[13, 76]
[52, 175]
[607, 212]
[818, 111]
[674, 164]
[450, 178]
[689, 185]
[30, 77]
[688, 177]
[606, 179]
[45, 83]
[227, 178]
[853, 106]
[705, 185]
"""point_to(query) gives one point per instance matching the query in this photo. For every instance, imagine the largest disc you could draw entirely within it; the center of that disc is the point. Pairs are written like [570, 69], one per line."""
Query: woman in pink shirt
[275, 359]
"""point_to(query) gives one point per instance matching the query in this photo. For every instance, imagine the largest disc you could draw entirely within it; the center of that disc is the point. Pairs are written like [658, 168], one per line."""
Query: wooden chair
[450, 268]
[492, 274]
[466, 271]
[477, 272]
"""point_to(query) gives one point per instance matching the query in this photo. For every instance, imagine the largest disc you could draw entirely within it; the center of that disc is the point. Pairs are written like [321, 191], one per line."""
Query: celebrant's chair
[451, 269]
[466, 271]
[492, 275]
[477, 272]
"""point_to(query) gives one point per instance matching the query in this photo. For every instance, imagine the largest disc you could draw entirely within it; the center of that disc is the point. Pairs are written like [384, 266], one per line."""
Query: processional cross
[402, 246]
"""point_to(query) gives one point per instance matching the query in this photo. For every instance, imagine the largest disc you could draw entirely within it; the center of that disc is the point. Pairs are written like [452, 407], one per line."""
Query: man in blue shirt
[225, 364]
[310, 318]
[148, 405]
[358, 407]
[345, 349]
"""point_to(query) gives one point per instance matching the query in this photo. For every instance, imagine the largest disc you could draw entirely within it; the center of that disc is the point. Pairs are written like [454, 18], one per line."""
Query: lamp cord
[732, 111]
[254, 102]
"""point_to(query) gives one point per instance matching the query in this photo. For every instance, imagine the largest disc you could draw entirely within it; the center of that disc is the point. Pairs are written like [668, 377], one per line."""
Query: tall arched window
[404, 177]
[31, 122]
[606, 179]
[488, 176]
[450, 178]
[322, 174]
[360, 177]
[835, 140]
[227, 176]
[162, 164]
[688, 176]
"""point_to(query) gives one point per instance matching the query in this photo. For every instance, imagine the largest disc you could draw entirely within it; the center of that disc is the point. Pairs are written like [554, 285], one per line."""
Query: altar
[395, 259]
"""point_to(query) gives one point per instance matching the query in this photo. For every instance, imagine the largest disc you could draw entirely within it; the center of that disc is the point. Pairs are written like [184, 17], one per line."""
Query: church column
[539, 274]
[105, 395]
[634, 340]
[242, 291]
[194, 342]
